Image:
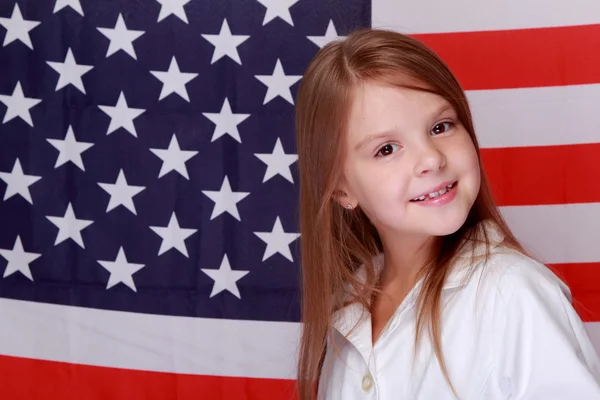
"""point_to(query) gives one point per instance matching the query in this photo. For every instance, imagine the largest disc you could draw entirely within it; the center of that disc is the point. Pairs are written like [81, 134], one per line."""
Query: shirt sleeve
[542, 350]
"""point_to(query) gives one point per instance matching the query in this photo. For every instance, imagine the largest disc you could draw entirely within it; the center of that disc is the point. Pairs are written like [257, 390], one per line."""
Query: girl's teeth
[435, 194]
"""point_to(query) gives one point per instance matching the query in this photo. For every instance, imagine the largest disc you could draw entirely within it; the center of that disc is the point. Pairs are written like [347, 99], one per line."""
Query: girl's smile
[437, 196]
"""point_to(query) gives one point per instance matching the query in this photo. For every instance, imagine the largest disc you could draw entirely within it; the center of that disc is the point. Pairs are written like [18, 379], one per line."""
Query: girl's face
[410, 165]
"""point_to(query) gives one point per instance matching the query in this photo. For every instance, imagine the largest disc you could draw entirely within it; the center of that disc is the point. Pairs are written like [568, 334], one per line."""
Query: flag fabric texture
[148, 182]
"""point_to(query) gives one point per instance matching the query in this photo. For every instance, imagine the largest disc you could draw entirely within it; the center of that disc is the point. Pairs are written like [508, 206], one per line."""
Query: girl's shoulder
[513, 272]
[509, 275]
[534, 323]
[513, 289]
[505, 271]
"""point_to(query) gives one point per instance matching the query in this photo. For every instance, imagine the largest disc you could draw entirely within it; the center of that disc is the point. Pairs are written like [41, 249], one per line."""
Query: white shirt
[509, 332]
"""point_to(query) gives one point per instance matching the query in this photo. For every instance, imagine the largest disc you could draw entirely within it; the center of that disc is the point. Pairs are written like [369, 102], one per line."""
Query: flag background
[149, 241]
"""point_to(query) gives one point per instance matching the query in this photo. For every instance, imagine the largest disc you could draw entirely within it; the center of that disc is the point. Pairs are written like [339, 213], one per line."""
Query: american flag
[148, 221]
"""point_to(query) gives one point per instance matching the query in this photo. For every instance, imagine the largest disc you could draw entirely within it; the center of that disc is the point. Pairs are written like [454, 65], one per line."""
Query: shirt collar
[348, 317]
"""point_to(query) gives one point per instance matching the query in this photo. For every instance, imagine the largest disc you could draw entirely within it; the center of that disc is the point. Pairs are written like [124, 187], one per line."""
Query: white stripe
[155, 342]
[542, 116]
[148, 342]
[564, 233]
[435, 16]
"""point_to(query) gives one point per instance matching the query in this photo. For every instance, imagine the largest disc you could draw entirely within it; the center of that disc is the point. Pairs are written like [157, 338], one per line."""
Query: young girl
[413, 285]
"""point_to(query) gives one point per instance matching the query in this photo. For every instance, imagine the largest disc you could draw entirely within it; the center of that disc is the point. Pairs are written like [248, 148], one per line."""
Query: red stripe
[543, 175]
[34, 379]
[521, 58]
[583, 280]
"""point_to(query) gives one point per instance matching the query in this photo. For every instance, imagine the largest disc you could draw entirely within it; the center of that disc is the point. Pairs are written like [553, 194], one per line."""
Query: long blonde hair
[335, 242]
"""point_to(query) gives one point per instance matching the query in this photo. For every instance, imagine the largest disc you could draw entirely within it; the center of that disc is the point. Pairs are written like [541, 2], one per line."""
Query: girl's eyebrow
[388, 133]
[441, 109]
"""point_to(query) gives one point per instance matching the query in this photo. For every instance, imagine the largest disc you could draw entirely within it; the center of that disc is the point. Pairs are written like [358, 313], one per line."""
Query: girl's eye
[441, 127]
[386, 150]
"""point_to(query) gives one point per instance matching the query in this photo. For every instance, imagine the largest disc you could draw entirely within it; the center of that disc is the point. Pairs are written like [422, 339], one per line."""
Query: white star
[121, 270]
[121, 38]
[226, 44]
[18, 183]
[18, 105]
[278, 84]
[225, 278]
[69, 149]
[225, 200]
[330, 35]
[121, 194]
[174, 7]
[18, 260]
[174, 80]
[122, 116]
[70, 72]
[74, 4]
[226, 122]
[278, 8]
[174, 158]
[278, 162]
[18, 28]
[277, 241]
[173, 236]
[69, 227]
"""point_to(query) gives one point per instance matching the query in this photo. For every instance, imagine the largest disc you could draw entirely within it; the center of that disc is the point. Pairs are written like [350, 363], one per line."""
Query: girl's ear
[344, 199]
[343, 195]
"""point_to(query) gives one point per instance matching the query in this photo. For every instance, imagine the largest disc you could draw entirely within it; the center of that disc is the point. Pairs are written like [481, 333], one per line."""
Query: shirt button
[367, 382]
